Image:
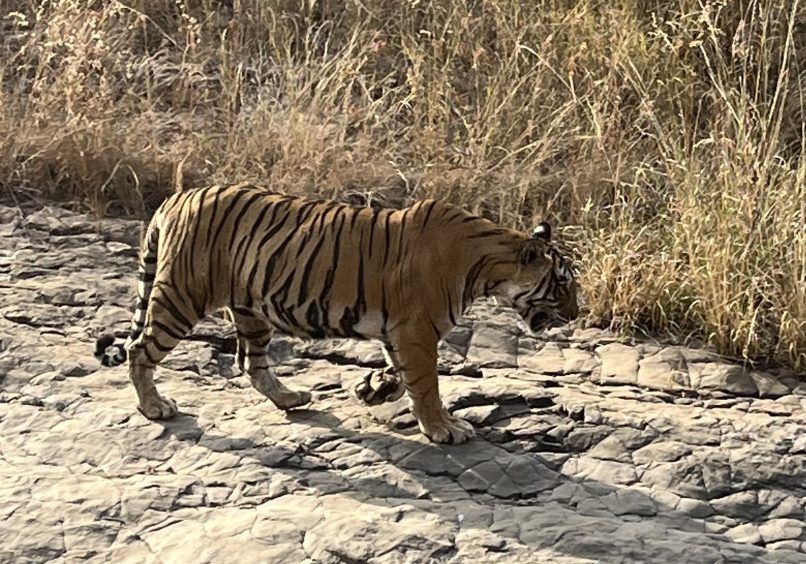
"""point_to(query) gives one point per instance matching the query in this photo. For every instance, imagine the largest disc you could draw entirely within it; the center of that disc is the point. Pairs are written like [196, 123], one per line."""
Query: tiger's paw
[447, 429]
[157, 407]
[379, 387]
[291, 400]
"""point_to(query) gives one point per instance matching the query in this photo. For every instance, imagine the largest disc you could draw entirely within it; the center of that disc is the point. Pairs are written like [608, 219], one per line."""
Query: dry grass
[671, 132]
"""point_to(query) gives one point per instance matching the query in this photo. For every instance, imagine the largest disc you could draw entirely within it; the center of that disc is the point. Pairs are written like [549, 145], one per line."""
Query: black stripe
[148, 355]
[384, 309]
[401, 233]
[372, 223]
[351, 316]
[278, 252]
[450, 305]
[311, 231]
[262, 343]
[243, 245]
[428, 213]
[160, 347]
[324, 302]
[237, 219]
[470, 280]
[456, 214]
[271, 232]
[236, 223]
[191, 253]
[167, 330]
[179, 231]
[487, 233]
[361, 302]
[312, 318]
[173, 310]
[386, 237]
[354, 218]
[306, 271]
[213, 217]
[279, 298]
[196, 218]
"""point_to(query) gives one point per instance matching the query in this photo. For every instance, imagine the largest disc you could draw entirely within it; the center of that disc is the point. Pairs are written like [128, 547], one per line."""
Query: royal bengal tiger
[319, 269]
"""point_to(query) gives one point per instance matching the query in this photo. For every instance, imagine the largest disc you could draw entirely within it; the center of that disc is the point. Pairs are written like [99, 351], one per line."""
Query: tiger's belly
[313, 321]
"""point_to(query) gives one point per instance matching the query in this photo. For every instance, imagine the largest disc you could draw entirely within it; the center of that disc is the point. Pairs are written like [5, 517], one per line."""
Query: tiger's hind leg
[167, 322]
[254, 336]
[381, 386]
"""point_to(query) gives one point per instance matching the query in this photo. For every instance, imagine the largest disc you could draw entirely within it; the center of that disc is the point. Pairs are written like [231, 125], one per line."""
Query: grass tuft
[670, 133]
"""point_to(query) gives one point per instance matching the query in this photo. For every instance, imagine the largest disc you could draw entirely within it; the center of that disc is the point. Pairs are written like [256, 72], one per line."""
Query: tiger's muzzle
[543, 320]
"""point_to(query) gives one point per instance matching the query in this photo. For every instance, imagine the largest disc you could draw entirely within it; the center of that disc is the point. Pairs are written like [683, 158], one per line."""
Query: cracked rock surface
[588, 448]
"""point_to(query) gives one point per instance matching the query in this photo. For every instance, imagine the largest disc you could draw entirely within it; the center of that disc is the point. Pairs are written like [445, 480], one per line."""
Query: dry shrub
[670, 133]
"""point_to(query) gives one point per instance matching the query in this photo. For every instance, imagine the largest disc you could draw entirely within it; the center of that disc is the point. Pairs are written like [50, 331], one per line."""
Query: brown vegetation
[670, 132]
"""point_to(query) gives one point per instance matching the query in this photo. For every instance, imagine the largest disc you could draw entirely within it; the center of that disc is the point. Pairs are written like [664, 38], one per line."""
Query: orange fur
[317, 269]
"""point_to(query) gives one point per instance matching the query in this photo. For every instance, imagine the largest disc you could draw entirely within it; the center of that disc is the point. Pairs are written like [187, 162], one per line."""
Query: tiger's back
[310, 267]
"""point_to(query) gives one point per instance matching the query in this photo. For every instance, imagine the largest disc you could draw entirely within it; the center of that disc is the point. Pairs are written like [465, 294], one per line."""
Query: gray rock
[619, 364]
[781, 529]
[745, 534]
[573, 460]
[663, 451]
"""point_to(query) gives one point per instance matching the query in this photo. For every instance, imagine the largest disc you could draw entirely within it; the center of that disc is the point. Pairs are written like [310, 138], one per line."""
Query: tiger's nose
[538, 321]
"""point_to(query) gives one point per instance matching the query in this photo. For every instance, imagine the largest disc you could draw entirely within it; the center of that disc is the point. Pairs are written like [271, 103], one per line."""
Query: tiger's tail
[147, 270]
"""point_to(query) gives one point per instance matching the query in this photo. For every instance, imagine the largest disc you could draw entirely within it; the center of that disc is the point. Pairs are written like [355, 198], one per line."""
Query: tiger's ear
[532, 251]
[542, 231]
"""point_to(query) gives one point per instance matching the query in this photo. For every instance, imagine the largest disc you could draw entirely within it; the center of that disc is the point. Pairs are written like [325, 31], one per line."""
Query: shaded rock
[768, 386]
[722, 377]
[580, 439]
[548, 360]
[630, 501]
[694, 507]
[741, 505]
[493, 347]
[665, 370]
[619, 444]
[565, 467]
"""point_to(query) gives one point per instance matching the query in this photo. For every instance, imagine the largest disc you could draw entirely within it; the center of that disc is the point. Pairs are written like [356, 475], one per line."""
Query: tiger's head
[543, 290]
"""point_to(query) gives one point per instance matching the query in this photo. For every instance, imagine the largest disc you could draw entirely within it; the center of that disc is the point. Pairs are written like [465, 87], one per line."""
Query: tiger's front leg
[416, 359]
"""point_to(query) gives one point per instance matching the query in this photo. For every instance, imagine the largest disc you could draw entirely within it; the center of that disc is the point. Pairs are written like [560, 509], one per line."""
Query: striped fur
[320, 269]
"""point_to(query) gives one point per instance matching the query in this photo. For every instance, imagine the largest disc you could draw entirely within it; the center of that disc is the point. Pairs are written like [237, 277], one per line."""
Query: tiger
[317, 269]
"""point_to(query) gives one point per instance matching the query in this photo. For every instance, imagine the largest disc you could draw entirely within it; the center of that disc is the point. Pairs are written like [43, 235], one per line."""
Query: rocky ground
[588, 449]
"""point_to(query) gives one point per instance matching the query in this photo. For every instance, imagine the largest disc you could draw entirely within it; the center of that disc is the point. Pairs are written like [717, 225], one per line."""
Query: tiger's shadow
[428, 467]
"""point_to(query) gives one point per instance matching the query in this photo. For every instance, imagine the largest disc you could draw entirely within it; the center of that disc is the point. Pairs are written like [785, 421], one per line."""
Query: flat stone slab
[589, 448]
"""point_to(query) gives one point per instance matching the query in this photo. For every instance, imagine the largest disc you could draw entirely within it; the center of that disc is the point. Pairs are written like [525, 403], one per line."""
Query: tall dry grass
[670, 132]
